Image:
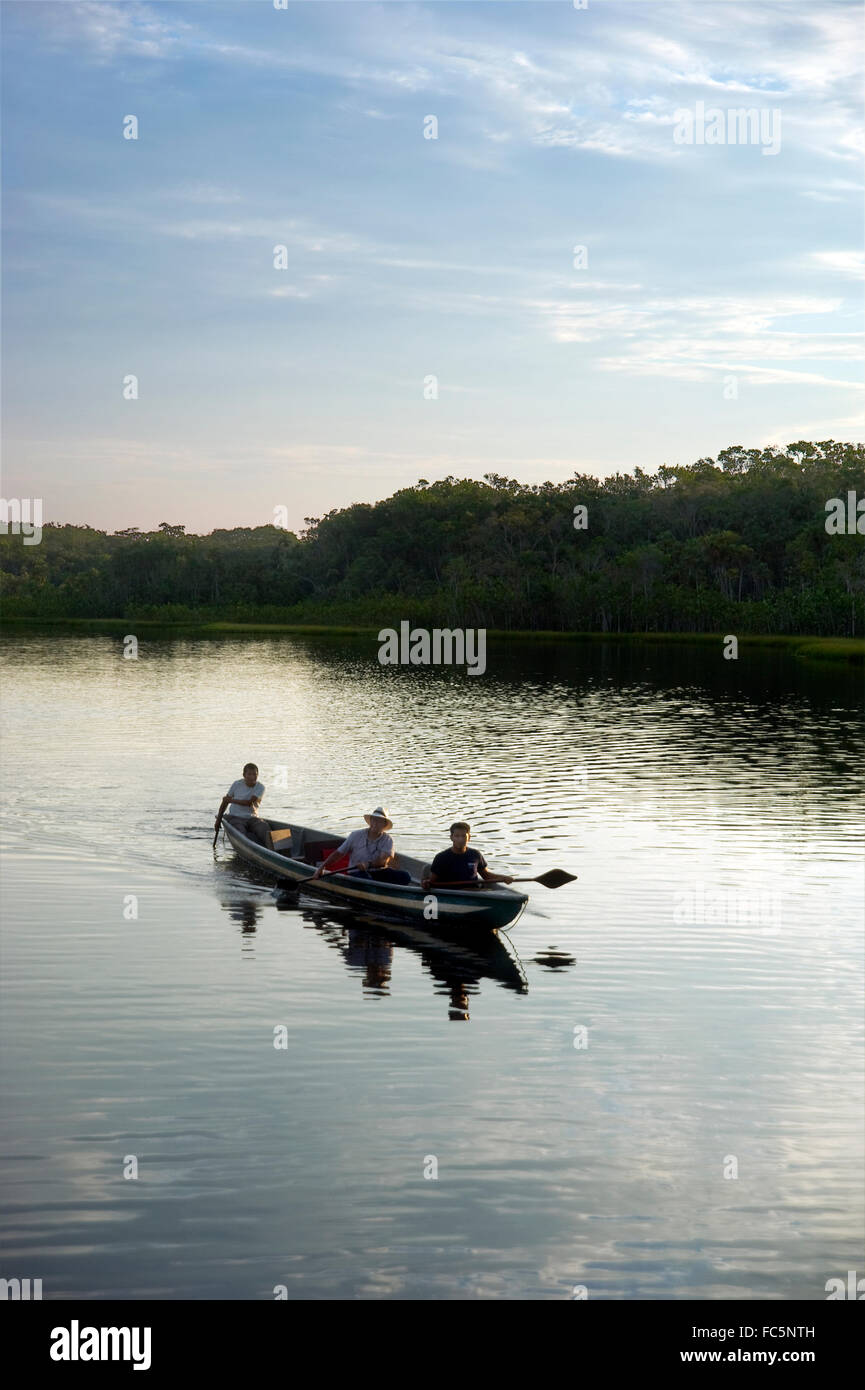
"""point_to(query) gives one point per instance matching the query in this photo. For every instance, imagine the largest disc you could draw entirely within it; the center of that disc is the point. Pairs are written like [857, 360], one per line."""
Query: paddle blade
[555, 878]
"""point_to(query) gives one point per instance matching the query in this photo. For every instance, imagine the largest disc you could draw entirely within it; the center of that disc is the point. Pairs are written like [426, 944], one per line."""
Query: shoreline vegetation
[759, 543]
[850, 650]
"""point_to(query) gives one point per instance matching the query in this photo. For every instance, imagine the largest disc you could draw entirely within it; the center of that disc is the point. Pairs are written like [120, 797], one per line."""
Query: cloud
[110, 31]
[846, 429]
[515, 83]
[124, 213]
[673, 370]
[845, 262]
[289, 292]
[695, 339]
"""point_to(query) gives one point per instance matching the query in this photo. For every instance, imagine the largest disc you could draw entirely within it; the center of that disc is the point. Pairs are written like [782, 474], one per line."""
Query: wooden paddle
[218, 824]
[553, 878]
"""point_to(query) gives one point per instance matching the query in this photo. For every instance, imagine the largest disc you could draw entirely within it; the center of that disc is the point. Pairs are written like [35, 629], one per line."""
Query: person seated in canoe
[460, 866]
[369, 851]
[244, 798]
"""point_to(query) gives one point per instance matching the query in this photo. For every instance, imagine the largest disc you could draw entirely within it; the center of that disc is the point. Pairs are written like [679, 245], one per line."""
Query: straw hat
[382, 815]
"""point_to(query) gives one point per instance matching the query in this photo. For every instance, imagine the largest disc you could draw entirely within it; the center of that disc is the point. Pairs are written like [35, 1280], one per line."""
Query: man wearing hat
[369, 851]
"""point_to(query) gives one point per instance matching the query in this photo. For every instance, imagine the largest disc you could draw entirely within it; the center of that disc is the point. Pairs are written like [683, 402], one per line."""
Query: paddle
[218, 824]
[553, 878]
[329, 873]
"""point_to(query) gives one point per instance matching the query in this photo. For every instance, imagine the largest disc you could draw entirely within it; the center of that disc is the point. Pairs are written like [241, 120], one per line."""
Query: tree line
[738, 544]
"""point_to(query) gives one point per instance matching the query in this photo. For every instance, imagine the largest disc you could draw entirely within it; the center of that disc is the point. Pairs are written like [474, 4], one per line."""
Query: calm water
[711, 949]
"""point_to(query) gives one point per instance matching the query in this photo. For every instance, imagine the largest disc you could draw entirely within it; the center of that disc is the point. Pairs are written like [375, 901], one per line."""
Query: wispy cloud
[843, 426]
[845, 262]
[112, 31]
[575, 95]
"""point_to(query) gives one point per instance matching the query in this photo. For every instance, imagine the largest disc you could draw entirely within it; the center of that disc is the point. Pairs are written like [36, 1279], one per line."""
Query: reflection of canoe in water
[454, 961]
[295, 860]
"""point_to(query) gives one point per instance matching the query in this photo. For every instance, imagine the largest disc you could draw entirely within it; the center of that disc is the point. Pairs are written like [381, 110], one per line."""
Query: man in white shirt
[244, 798]
[369, 851]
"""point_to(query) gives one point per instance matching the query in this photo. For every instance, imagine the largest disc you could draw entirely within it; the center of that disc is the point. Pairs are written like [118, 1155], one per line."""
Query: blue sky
[410, 257]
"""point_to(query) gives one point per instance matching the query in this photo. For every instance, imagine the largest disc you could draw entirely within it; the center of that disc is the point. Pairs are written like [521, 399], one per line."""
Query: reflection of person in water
[456, 969]
[459, 1005]
[373, 951]
[247, 912]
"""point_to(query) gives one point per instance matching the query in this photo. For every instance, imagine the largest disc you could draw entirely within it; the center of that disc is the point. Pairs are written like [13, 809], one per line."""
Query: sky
[433, 317]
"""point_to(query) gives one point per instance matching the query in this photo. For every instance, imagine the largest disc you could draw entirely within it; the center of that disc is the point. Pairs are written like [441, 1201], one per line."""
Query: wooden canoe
[296, 858]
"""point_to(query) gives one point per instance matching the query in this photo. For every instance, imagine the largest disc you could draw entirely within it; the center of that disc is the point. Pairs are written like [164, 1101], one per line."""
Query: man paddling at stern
[460, 866]
[244, 798]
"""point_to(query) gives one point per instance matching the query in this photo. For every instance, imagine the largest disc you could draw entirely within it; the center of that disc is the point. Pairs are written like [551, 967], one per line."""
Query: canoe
[487, 908]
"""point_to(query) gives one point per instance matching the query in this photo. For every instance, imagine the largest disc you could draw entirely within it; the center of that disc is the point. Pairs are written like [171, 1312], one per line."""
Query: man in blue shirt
[459, 866]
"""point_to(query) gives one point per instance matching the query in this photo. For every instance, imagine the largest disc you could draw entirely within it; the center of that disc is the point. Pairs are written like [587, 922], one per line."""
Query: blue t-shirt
[458, 868]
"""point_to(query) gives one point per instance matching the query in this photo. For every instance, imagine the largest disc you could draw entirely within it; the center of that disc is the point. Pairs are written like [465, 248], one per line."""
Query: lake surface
[651, 1090]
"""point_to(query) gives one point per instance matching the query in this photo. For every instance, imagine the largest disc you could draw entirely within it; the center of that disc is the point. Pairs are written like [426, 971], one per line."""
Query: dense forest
[736, 544]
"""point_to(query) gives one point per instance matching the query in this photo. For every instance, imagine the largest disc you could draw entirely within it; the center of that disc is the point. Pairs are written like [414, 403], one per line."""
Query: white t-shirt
[239, 788]
[362, 847]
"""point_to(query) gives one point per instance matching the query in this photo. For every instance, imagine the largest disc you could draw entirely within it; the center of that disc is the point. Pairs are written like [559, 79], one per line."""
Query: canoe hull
[472, 908]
